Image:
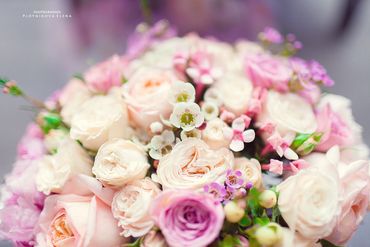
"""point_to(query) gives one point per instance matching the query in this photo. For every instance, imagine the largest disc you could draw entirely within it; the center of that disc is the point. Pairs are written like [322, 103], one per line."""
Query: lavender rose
[187, 218]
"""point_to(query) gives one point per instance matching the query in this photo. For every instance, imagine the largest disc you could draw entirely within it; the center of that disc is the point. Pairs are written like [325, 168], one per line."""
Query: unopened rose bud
[233, 212]
[269, 234]
[267, 199]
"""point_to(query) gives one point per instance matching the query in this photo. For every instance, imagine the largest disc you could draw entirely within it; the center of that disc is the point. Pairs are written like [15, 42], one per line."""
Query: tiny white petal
[210, 110]
[206, 79]
[192, 72]
[228, 133]
[156, 127]
[290, 154]
[238, 124]
[249, 135]
[237, 145]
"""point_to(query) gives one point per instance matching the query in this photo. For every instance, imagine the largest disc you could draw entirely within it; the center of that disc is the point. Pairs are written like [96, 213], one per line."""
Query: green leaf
[15, 91]
[134, 244]
[123, 80]
[229, 241]
[245, 221]
[262, 221]
[79, 77]
[326, 243]
[3, 81]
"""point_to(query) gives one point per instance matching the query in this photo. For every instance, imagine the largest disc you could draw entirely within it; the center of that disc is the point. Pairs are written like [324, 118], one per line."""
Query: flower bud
[156, 127]
[269, 234]
[267, 199]
[233, 212]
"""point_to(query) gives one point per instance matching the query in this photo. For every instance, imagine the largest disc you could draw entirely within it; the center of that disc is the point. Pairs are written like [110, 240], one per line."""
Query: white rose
[54, 139]
[289, 112]
[214, 135]
[251, 170]
[73, 95]
[192, 164]
[292, 239]
[55, 170]
[131, 204]
[309, 201]
[100, 119]
[147, 94]
[234, 90]
[120, 161]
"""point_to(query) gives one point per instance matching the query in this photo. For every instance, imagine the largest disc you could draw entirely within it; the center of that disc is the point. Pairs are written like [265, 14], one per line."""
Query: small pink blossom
[239, 135]
[256, 102]
[276, 166]
[103, 76]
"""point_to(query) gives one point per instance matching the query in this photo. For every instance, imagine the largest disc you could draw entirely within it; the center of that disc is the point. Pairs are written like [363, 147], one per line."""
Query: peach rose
[100, 119]
[192, 164]
[78, 217]
[147, 95]
[251, 170]
[131, 204]
[120, 161]
[214, 134]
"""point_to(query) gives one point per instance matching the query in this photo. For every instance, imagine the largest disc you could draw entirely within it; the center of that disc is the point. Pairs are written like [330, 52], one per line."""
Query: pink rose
[187, 218]
[103, 76]
[335, 120]
[147, 95]
[79, 216]
[355, 183]
[31, 145]
[267, 71]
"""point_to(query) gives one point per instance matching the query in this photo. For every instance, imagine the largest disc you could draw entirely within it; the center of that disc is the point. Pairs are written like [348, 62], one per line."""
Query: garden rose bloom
[214, 134]
[268, 71]
[251, 170]
[289, 113]
[336, 121]
[72, 96]
[315, 192]
[147, 94]
[355, 183]
[153, 239]
[55, 170]
[18, 221]
[131, 204]
[192, 164]
[31, 145]
[235, 91]
[80, 216]
[120, 161]
[110, 73]
[355, 191]
[196, 219]
[292, 239]
[100, 119]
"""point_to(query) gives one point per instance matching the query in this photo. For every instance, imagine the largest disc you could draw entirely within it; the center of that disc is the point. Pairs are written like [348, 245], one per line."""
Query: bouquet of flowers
[186, 141]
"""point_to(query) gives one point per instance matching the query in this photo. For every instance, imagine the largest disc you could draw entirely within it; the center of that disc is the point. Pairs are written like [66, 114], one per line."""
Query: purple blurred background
[42, 53]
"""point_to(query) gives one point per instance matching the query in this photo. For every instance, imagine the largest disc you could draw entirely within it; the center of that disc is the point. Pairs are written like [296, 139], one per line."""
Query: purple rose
[187, 218]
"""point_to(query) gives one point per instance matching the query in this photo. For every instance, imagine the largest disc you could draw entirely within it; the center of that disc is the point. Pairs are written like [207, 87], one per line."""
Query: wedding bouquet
[186, 141]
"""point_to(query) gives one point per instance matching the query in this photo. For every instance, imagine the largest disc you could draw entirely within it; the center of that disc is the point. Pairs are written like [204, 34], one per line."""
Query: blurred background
[42, 53]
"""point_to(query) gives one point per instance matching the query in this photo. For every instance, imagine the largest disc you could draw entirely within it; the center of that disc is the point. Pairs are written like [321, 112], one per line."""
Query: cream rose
[292, 239]
[147, 95]
[153, 239]
[234, 90]
[309, 201]
[120, 161]
[251, 170]
[100, 119]
[131, 204]
[55, 170]
[73, 95]
[214, 135]
[192, 164]
[289, 112]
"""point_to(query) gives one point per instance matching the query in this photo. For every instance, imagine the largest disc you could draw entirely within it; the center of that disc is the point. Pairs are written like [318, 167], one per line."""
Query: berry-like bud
[233, 212]
[267, 199]
[269, 234]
